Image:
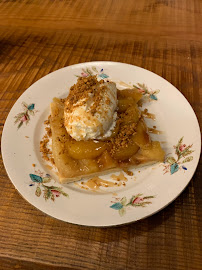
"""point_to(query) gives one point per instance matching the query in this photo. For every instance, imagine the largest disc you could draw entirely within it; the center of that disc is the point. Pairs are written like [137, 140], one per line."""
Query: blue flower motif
[36, 178]
[152, 96]
[117, 206]
[174, 168]
[31, 107]
[103, 76]
[184, 168]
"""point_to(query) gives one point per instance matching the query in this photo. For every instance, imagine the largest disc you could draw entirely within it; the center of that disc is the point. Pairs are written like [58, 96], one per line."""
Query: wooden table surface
[38, 37]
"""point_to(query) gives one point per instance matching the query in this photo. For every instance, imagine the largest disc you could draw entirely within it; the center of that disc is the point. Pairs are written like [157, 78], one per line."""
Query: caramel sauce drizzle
[146, 114]
[154, 131]
[129, 173]
[49, 167]
[119, 177]
[95, 183]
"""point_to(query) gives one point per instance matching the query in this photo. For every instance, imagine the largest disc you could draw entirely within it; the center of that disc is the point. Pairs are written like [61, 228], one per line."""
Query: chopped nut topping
[49, 132]
[46, 152]
[47, 122]
[82, 90]
[123, 138]
[43, 148]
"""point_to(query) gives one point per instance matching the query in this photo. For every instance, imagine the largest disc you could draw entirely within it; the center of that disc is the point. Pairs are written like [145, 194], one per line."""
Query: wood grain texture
[38, 37]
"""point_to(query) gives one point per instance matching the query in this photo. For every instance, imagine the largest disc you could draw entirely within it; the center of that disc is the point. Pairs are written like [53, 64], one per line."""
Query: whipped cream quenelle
[90, 109]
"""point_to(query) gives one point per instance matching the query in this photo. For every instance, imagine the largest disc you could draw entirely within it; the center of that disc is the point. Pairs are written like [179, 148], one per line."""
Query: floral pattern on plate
[143, 89]
[49, 192]
[93, 71]
[136, 201]
[24, 117]
[183, 153]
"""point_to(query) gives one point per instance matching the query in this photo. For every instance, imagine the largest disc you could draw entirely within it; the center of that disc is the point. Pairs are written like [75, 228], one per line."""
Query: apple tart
[99, 129]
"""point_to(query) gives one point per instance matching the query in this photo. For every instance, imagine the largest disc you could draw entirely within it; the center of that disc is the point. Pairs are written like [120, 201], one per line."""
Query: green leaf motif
[188, 159]
[156, 92]
[53, 188]
[20, 124]
[122, 211]
[31, 113]
[179, 143]
[145, 203]
[47, 193]
[94, 69]
[180, 140]
[143, 86]
[46, 179]
[186, 153]
[64, 193]
[148, 197]
[24, 104]
[170, 160]
[123, 201]
[19, 116]
[89, 71]
[52, 197]
[38, 192]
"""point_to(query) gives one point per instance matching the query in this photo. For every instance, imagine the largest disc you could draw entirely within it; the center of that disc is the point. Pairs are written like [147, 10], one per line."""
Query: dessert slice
[99, 129]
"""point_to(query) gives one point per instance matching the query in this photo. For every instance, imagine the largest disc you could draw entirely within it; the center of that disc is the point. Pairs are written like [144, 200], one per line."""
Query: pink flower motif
[24, 118]
[83, 74]
[137, 200]
[182, 147]
[141, 91]
[55, 192]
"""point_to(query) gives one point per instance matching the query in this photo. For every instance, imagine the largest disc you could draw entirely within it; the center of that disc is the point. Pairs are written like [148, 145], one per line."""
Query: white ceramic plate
[148, 191]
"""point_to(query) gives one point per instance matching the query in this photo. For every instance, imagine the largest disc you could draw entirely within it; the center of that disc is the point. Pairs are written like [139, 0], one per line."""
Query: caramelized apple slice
[124, 104]
[124, 153]
[141, 137]
[134, 93]
[88, 166]
[85, 149]
[153, 152]
[65, 164]
[132, 115]
[106, 161]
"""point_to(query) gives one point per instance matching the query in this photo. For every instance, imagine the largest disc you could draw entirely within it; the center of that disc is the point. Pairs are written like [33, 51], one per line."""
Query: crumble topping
[123, 138]
[82, 90]
[46, 152]
[89, 108]
[44, 149]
